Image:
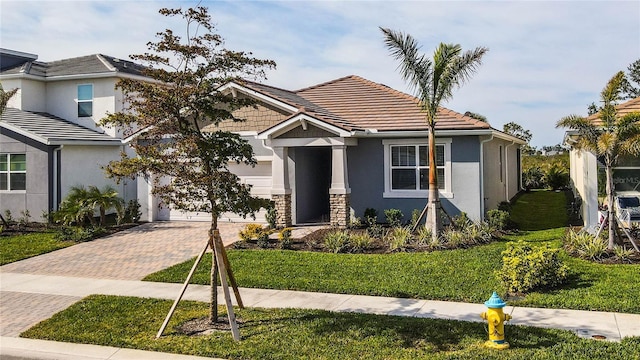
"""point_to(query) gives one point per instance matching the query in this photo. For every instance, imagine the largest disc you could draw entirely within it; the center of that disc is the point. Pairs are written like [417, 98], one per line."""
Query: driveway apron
[128, 255]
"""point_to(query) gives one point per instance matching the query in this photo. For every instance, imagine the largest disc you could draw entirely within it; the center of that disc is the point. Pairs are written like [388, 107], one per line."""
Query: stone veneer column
[340, 205]
[339, 198]
[283, 209]
[280, 189]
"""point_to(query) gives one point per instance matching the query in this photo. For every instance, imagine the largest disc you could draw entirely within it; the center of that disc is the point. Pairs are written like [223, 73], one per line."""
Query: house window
[85, 100]
[407, 167]
[13, 172]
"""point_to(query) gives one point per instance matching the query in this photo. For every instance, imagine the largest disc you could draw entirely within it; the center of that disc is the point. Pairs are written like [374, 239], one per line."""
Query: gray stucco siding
[366, 180]
[37, 196]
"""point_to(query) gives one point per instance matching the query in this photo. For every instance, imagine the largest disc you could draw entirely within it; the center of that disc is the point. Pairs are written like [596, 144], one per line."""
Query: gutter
[482, 176]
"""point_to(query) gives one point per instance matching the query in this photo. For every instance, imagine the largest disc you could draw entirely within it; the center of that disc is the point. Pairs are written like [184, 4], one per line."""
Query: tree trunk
[434, 220]
[103, 216]
[612, 220]
[213, 306]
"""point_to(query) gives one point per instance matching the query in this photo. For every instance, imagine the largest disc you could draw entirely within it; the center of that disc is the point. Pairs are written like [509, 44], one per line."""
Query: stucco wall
[500, 172]
[62, 96]
[366, 179]
[36, 196]
[81, 165]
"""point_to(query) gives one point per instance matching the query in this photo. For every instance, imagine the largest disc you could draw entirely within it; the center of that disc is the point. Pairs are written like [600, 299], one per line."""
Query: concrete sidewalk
[613, 326]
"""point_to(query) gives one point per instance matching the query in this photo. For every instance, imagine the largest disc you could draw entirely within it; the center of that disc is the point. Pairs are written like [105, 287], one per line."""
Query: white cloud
[546, 59]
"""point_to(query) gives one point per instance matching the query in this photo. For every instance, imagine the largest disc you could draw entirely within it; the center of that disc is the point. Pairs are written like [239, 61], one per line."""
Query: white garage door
[260, 187]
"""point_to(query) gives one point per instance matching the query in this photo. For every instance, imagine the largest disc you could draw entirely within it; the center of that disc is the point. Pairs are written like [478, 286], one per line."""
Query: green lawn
[310, 334]
[540, 210]
[458, 275]
[18, 247]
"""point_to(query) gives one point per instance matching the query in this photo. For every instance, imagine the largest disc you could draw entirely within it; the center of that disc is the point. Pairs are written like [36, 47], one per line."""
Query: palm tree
[433, 80]
[608, 136]
[104, 199]
[74, 208]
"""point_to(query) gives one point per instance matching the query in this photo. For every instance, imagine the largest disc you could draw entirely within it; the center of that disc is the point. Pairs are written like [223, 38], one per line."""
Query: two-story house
[50, 139]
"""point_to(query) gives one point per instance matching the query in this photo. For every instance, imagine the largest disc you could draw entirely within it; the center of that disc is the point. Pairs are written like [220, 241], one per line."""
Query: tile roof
[371, 105]
[354, 103]
[83, 65]
[625, 108]
[52, 130]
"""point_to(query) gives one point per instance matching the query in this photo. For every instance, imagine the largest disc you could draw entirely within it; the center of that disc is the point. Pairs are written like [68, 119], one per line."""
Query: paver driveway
[128, 255]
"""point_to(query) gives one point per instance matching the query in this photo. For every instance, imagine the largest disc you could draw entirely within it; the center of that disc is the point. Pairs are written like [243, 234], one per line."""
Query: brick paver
[128, 255]
[20, 311]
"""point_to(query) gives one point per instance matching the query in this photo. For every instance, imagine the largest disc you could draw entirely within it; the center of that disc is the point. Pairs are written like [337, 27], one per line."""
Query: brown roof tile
[628, 107]
[369, 105]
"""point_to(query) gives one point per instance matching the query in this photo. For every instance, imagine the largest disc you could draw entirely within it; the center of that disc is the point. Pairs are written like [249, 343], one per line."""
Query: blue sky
[546, 59]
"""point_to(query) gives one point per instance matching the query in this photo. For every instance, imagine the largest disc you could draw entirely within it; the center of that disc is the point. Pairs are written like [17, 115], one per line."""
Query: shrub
[585, 245]
[478, 233]
[270, 216]
[131, 213]
[371, 215]
[394, 217]
[375, 230]
[461, 221]
[252, 231]
[78, 234]
[423, 236]
[360, 242]
[525, 267]
[355, 223]
[399, 238]
[557, 177]
[504, 206]
[452, 238]
[336, 241]
[533, 178]
[263, 240]
[285, 238]
[415, 214]
[8, 216]
[25, 217]
[499, 220]
[620, 252]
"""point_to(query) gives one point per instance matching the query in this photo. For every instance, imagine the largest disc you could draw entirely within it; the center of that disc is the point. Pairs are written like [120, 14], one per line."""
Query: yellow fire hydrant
[496, 318]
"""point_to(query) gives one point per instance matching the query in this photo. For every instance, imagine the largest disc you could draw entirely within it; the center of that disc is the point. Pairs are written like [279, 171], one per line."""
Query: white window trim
[446, 193]
[9, 172]
[78, 101]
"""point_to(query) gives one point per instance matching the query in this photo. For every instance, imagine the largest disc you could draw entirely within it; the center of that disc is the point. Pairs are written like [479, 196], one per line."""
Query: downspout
[56, 177]
[482, 176]
[506, 169]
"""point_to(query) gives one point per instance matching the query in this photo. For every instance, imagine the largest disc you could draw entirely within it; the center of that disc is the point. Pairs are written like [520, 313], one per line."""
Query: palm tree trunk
[213, 305]
[434, 221]
[609, 188]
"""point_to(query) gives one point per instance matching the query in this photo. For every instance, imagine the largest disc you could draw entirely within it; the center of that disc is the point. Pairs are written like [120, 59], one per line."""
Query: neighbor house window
[85, 100]
[13, 171]
[407, 167]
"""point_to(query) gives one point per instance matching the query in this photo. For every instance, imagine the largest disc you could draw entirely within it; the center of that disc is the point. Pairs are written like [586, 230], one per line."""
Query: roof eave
[293, 121]
[233, 86]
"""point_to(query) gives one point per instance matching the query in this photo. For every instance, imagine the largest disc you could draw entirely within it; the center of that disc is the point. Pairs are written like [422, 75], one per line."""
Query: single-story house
[587, 173]
[328, 152]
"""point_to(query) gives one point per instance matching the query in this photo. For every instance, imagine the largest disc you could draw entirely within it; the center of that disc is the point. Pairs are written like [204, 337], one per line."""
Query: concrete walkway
[34, 289]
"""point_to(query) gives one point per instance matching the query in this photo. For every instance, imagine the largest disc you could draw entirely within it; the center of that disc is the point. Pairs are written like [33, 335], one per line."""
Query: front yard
[310, 334]
[465, 275]
[459, 275]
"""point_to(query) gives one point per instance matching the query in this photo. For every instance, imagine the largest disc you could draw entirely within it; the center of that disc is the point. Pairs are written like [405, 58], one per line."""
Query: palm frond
[414, 67]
